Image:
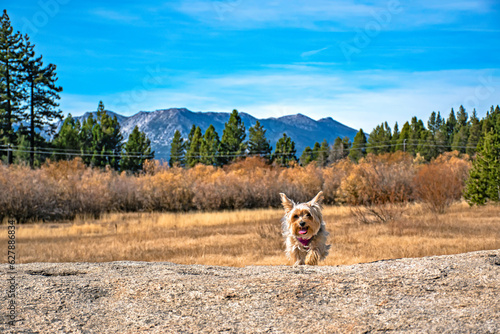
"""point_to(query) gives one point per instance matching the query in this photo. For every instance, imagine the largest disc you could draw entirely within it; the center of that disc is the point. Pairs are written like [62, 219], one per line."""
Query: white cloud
[340, 15]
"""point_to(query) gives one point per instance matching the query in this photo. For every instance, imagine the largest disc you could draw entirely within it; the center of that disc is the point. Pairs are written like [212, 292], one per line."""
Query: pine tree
[324, 152]
[107, 139]
[11, 83]
[461, 133]
[474, 134]
[417, 133]
[190, 136]
[68, 139]
[233, 138]
[42, 92]
[136, 151]
[451, 124]
[257, 142]
[380, 139]
[86, 139]
[358, 149]
[484, 178]
[306, 157]
[315, 151]
[432, 125]
[395, 137]
[193, 151]
[178, 150]
[339, 150]
[284, 154]
[404, 138]
[209, 148]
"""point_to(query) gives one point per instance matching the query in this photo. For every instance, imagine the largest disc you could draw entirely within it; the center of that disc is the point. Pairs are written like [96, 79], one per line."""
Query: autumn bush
[441, 182]
[66, 189]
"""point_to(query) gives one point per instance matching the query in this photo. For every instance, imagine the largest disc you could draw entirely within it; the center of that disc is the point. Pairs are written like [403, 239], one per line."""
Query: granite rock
[439, 294]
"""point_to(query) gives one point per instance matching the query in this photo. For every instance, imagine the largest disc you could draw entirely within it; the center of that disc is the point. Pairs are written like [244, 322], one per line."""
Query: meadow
[252, 237]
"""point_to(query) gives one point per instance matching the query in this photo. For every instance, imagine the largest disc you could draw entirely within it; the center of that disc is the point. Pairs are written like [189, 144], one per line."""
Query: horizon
[360, 63]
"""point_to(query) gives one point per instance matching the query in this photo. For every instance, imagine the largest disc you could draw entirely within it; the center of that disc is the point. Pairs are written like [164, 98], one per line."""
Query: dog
[304, 230]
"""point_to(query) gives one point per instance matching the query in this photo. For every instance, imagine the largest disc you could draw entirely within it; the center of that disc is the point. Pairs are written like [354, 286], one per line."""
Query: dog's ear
[286, 202]
[318, 199]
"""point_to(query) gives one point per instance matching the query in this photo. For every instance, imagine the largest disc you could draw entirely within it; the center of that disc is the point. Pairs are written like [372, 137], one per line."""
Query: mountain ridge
[161, 124]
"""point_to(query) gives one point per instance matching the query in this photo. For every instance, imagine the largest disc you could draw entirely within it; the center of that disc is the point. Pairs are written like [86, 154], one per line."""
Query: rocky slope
[442, 294]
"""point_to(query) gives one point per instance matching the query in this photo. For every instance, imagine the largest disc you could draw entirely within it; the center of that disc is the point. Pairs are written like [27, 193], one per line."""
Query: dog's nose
[302, 224]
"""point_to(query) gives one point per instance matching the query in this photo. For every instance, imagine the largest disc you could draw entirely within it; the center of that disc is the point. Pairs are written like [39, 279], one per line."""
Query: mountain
[160, 126]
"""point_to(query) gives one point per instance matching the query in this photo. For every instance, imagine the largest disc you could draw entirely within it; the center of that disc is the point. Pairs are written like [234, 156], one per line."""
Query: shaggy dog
[304, 230]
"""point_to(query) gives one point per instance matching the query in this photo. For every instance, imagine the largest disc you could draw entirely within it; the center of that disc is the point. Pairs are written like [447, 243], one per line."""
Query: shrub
[441, 182]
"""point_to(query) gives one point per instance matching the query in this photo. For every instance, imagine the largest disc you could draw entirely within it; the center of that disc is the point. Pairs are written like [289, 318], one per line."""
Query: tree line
[210, 149]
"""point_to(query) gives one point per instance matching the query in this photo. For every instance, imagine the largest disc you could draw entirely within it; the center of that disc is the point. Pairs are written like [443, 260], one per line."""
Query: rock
[440, 294]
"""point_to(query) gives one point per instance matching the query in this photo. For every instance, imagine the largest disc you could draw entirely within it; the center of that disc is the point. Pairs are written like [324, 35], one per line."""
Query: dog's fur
[308, 247]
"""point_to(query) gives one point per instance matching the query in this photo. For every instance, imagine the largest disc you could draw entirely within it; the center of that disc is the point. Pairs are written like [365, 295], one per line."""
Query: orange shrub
[441, 182]
[379, 179]
[64, 189]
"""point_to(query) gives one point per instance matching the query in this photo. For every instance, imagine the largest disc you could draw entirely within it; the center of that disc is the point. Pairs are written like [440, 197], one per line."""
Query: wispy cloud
[114, 15]
[334, 15]
[313, 52]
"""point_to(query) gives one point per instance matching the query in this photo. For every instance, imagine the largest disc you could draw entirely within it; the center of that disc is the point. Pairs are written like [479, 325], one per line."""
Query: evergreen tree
[428, 148]
[257, 142]
[379, 140]
[432, 125]
[136, 151]
[358, 149]
[68, 139]
[106, 140]
[324, 152]
[307, 156]
[339, 150]
[315, 151]
[284, 154]
[42, 92]
[441, 139]
[190, 136]
[86, 139]
[474, 134]
[178, 150]
[484, 178]
[462, 118]
[451, 124]
[101, 140]
[209, 148]
[460, 139]
[233, 138]
[461, 133]
[193, 151]
[404, 138]
[11, 83]
[395, 137]
[417, 133]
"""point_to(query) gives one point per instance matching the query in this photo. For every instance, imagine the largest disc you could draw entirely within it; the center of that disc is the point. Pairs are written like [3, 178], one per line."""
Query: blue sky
[359, 62]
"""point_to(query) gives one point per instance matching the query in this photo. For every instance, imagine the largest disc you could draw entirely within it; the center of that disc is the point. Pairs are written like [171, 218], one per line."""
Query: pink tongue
[303, 231]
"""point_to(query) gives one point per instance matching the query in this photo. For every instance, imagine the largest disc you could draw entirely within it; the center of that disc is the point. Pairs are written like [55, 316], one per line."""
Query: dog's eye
[295, 216]
[307, 215]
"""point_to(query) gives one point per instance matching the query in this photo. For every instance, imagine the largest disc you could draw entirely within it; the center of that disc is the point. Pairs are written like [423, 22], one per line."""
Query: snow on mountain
[160, 126]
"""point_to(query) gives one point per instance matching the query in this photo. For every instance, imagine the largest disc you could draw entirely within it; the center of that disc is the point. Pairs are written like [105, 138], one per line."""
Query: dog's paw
[312, 258]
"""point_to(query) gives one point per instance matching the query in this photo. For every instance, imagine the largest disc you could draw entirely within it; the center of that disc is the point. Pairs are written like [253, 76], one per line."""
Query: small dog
[304, 230]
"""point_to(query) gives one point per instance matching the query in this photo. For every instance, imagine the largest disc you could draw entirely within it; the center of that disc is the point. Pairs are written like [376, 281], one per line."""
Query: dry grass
[252, 237]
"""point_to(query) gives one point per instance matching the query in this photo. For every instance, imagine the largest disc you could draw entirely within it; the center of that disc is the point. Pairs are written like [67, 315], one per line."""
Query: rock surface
[441, 294]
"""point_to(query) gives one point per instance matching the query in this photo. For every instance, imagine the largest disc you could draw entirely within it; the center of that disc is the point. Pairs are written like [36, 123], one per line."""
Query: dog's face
[304, 219]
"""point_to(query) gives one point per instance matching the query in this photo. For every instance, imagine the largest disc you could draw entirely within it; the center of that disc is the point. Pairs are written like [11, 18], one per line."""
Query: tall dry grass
[252, 237]
[65, 189]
